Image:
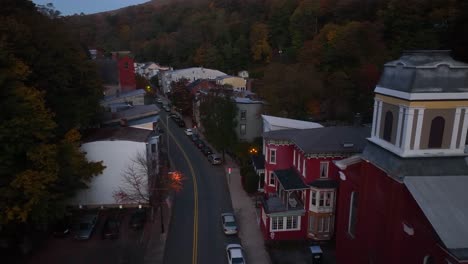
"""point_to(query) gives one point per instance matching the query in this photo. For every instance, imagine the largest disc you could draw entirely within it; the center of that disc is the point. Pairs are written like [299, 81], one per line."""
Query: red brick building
[126, 70]
[404, 199]
[300, 184]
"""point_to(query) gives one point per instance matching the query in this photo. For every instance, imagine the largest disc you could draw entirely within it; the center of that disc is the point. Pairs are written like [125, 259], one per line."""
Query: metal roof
[324, 184]
[344, 139]
[425, 71]
[290, 180]
[444, 200]
[400, 168]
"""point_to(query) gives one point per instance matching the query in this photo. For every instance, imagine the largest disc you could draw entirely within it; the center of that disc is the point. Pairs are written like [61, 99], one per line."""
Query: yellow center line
[195, 197]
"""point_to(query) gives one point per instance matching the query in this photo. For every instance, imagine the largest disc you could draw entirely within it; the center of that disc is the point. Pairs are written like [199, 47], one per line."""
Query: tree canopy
[49, 90]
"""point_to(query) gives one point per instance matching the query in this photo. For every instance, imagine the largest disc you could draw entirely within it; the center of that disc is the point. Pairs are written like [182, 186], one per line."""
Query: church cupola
[421, 105]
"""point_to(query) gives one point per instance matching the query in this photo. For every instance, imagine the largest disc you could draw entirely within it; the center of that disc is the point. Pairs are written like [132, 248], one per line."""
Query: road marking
[195, 197]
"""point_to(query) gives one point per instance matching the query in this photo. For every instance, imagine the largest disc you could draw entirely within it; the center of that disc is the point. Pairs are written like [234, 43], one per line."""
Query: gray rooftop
[274, 205]
[343, 139]
[427, 71]
[443, 200]
[117, 133]
[400, 168]
[324, 184]
[290, 180]
[131, 113]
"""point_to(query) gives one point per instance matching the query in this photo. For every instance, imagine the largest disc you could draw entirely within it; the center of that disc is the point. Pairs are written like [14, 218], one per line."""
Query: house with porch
[404, 199]
[300, 185]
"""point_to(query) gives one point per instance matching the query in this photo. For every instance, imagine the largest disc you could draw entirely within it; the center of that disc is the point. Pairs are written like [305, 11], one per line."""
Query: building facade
[249, 120]
[403, 200]
[300, 185]
[190, 74]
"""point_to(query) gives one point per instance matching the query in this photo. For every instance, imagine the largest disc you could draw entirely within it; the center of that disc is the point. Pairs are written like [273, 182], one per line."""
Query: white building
[116, 147]
[191, 74]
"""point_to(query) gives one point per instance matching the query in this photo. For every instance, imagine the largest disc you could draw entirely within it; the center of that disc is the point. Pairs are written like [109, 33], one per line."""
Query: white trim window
[285, 223]
[304, 168]
[272, 156]
[322, 200]
[276, 223]
[324, 224]
[353, 204]
[272, 179]
[324, 169]
[266, 178]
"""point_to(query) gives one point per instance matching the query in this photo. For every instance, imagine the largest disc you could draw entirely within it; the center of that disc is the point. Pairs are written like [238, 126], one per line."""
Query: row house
[404, 199]
[300, 185]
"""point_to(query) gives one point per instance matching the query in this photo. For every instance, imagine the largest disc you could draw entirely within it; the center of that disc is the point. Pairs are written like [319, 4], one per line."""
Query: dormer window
[387, 133]
[436, 134]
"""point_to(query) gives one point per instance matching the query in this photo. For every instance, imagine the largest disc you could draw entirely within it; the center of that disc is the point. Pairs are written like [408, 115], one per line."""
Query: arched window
[437, 132]
[387, 132]
[428, 260]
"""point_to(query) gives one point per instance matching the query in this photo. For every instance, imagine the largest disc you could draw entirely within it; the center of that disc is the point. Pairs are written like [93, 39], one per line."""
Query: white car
[188, 132]
[235, 254]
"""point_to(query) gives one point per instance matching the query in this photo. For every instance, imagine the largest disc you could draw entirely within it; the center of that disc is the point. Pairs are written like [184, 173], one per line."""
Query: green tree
[218, 117]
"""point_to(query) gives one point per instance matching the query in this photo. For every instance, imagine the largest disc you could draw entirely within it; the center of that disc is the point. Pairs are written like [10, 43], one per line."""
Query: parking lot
[129, 247]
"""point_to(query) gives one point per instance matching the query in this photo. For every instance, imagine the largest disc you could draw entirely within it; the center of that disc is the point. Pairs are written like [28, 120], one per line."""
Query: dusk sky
[70, 7]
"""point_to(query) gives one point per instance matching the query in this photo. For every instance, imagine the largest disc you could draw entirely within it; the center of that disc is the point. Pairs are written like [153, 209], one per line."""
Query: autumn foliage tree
[49, 90]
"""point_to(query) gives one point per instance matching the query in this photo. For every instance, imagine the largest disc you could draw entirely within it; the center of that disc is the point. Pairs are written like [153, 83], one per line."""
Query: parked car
[181, 123]
[200, 144]
[207, 150]
[235, 254]
[61, 228]
[195, 137]
[188, 131]
[86, 225]
[159, 101]
[111, 227]
[173, 115]
[215, 159]
[229, 223]
[137, 219]
[167, 108]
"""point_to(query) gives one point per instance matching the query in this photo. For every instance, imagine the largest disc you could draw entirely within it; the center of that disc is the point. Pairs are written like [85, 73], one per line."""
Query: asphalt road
[195, 234]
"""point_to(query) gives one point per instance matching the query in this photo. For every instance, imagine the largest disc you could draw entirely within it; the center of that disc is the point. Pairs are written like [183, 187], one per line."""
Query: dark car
[181, 123]
[138, 218]
[200, 144]
[111, 227]
[61, 228]
[194, 137]
[207, 150]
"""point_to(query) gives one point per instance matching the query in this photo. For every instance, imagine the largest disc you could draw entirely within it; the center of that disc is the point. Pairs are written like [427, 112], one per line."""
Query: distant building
[243, 74]
[249, 118]
[117, 73]
[123, 114]
[136, 97]
[404, 199]
[238, 84]
[149, 69]
[190, 74]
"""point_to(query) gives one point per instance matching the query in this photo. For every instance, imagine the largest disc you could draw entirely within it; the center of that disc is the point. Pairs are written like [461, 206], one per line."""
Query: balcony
[276, 204]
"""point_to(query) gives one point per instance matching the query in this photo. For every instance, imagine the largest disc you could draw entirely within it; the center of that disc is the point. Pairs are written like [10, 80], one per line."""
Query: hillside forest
[311, 59]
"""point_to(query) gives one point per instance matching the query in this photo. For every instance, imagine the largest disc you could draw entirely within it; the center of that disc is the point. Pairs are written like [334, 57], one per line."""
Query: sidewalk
[249, 230]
